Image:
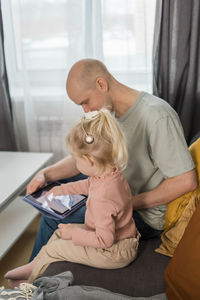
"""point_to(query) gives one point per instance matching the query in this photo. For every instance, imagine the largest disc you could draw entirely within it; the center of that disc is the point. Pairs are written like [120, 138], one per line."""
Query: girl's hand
[65, 231]
[57, 191]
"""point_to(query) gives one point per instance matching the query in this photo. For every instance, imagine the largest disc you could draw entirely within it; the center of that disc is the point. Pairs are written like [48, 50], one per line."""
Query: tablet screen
[60, 204]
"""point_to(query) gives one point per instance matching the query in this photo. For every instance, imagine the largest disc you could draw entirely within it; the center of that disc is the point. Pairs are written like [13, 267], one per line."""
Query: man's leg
[146, 231]
[48, 225]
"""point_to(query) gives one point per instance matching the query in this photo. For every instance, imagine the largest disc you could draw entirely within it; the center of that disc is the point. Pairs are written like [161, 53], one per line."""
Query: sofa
[143, 277]
[153, 273]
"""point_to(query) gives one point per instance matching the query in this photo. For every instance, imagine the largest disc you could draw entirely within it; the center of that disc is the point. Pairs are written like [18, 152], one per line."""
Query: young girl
[108, 239]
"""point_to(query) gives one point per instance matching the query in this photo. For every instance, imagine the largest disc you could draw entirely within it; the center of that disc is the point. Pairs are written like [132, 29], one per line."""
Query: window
[42, 41]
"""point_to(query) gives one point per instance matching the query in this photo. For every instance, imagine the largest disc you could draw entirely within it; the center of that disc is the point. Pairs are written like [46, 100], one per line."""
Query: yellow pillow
[171, 238]
[176, 207]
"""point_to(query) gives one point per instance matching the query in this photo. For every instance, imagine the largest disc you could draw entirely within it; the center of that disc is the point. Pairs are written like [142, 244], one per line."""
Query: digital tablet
[55, 207]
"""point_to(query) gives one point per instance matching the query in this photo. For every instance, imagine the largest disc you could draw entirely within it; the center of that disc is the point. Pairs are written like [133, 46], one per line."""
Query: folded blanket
[59, 287]
[25, 291]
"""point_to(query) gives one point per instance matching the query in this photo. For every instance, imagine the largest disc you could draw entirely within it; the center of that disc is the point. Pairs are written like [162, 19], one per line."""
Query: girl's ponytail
[99, 135]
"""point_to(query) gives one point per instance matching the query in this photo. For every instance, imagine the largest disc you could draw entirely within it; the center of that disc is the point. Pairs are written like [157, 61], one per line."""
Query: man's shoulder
[156, 108]
[152, 102]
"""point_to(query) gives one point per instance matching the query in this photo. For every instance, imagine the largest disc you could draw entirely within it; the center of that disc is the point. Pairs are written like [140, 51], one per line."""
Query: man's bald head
[84, 73]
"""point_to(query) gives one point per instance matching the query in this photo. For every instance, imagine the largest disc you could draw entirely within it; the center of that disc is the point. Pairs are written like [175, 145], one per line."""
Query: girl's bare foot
[20, 273]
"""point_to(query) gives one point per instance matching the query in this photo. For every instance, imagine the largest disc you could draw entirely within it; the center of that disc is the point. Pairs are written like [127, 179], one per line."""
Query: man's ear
[89, 160]
[102, 84]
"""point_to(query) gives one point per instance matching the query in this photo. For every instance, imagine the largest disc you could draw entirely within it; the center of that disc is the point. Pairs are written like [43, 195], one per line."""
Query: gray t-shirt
[157, 149]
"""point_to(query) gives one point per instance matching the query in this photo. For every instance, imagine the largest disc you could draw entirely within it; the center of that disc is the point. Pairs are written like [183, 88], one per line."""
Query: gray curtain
[7, 138]
[176, 60]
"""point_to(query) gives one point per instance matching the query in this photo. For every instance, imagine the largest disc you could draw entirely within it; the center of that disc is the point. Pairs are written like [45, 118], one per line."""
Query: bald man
[160, 167]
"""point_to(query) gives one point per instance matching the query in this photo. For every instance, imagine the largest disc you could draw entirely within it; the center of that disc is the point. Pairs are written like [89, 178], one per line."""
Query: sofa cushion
[182, 274]
[143, 277]
[175, 208]
[172, 237]
[180, 210]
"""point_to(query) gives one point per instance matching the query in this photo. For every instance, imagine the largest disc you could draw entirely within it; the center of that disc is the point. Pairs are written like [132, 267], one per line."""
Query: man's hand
[65, 168]
[65, 231]
[37, 182]
[168, 190]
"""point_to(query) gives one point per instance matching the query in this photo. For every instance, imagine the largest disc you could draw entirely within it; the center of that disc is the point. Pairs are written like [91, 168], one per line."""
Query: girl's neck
[109, 170]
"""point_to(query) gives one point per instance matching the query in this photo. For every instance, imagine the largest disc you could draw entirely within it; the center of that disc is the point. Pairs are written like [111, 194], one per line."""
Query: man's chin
[109, 107]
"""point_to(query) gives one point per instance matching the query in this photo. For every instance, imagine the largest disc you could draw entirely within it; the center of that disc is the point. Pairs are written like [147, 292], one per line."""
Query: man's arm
[64, 168]
[168, 190]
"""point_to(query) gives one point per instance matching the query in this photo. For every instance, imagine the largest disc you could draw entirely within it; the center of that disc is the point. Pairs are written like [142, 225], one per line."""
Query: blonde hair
[99, 135]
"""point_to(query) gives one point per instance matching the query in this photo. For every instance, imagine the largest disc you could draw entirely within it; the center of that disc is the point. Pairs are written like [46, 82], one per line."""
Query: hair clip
[89, 139]
[91, 114]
